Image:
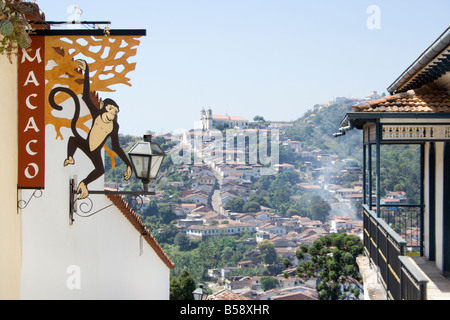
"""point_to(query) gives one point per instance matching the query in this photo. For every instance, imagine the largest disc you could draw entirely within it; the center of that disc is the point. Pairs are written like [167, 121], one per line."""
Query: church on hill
[210, 121]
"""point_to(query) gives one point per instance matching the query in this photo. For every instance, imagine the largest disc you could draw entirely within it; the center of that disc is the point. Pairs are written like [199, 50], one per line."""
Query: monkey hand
[127, 174]
[68, 161]
[81, 64]
[82, 190]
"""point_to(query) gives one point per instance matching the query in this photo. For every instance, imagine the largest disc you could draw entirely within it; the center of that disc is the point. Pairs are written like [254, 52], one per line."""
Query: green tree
[286, 263]
[319, 209]
[257, 197]
[181, 288]
[268, 253]
[152, 209]
[333, 262]
[176, 293]
[258, 119]
[306, 269]
[251, 206]
[167, 214]
[182, 240]
[268, 282]
[235, 205]
[227, 254]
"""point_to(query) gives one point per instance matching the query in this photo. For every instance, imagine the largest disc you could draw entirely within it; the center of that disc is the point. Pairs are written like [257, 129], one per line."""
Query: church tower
[203, 119]
[209, 119]
[206, 119]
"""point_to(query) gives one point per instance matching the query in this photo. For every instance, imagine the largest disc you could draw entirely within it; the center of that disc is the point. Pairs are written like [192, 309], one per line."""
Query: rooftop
[410, 101]
[226, 295]
[226, 117]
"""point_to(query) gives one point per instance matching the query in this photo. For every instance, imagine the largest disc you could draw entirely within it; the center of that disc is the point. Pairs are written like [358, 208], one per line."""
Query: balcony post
[422, 197]
[378, 178]
[364, 199]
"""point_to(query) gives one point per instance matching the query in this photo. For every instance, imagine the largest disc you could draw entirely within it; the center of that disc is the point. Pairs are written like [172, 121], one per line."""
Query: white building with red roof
[210, 121]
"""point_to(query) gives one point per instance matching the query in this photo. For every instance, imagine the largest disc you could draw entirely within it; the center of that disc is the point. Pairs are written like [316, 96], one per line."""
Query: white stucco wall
[439, 203]
[10, 223]
[95, 258]
[426, 199]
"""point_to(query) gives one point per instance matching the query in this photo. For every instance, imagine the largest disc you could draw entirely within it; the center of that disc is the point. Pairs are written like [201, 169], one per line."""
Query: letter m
[26, 56]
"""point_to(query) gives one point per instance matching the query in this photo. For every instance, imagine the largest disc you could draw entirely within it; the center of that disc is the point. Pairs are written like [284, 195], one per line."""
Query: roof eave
[433, 51]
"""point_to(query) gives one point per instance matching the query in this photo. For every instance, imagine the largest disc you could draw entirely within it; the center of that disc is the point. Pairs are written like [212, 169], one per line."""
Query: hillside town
[213, 179]
[247, 162]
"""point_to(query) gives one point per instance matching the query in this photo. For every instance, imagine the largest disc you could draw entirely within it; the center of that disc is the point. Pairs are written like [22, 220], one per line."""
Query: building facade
[210, 121]
[51, 247]
[10, 220]
[416, 112]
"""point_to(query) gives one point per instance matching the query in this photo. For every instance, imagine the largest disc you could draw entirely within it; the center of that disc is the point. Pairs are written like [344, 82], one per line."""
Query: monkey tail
[54, 105]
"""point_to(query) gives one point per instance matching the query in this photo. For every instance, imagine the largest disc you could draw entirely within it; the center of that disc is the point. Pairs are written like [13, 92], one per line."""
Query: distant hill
[400, 164]
[316, 127]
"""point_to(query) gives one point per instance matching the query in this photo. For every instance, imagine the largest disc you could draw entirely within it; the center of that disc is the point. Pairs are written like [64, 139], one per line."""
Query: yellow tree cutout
[108, 62]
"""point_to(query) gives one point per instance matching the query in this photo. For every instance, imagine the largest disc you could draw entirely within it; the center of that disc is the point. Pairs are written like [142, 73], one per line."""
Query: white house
[397, 195]
[196, 198]
[416, 112]
[271, 228]
[283, 167]
[263, 216]
[104, 254]
[196, 231]
[109, 255]
[210, 121]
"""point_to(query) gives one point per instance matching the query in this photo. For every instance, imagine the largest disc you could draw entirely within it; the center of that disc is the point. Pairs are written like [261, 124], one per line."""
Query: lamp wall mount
[84, 207]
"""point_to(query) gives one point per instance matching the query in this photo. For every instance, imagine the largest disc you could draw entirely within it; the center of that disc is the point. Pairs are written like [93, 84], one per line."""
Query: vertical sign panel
[31, 124]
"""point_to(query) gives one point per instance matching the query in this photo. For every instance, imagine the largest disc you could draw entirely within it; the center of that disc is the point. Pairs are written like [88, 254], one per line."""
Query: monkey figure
[104, 126]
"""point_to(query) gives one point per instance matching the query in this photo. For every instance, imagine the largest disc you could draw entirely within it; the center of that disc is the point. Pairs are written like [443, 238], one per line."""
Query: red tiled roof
[411, 101]
[133, 218]
[226, 295]
[226, 117]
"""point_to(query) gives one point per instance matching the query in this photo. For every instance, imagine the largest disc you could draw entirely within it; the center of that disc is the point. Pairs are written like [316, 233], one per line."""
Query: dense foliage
[333, 262]
[181, 287]
[14, 26]
[212, 253]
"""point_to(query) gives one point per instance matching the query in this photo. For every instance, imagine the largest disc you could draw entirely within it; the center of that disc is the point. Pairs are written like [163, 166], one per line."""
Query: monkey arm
[87, 90]
[115, 145]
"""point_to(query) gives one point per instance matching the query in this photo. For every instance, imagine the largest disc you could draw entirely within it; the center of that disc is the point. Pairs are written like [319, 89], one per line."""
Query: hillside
[322, 161]
[317, 126]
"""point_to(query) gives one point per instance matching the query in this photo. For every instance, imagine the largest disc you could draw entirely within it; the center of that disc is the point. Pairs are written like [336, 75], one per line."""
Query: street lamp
[146, 159]
[200, 293]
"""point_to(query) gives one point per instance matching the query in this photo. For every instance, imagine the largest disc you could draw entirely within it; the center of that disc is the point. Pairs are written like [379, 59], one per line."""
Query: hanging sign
[74, 68]
[31, 120]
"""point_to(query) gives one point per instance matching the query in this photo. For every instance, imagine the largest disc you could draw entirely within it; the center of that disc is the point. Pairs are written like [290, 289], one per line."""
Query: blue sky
[274, 58]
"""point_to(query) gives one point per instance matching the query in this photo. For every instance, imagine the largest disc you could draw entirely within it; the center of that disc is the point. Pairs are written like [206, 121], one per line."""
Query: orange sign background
[31, 123]
[34, 84]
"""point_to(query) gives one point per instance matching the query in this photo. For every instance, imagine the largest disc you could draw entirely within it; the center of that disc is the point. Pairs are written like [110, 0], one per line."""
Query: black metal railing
[405, 220]
[386, 250]
[413, 283]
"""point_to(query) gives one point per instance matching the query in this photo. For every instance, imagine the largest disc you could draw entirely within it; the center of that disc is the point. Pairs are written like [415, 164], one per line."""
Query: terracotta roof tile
[226, 295]
[133, 218]
[411, 101]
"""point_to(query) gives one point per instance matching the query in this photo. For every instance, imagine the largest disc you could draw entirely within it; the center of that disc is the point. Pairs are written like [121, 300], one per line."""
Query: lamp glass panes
[140, 159]
[146, 158]
[200, 293]
[157, 159]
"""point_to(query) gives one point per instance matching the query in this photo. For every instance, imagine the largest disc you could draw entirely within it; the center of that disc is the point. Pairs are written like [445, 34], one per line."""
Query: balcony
[393, 245]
